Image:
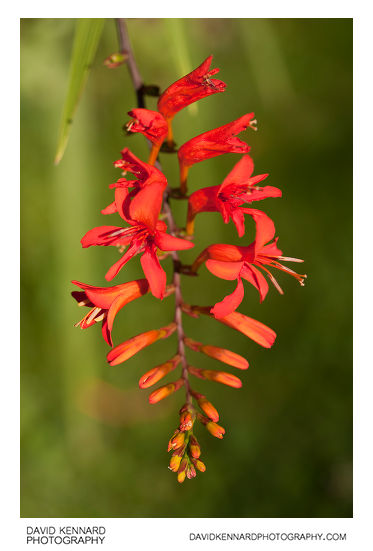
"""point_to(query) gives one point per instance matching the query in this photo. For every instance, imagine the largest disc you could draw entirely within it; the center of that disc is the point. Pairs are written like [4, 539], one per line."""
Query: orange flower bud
[175, 463]
[217, 376]
[194, 447]
[255, 330]
[187, 417]
[177, 440]
[157, 373]
[200, 465]
[191, 472]
[209, 409]
[225, 356]
[186, 421]
[215, 429]
[116, 60]
[129, 348]
[169, 447]
[164, 391]
[181, 477]
[221, 354]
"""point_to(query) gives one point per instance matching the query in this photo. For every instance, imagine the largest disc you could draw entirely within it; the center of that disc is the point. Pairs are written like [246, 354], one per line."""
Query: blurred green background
[92, 446]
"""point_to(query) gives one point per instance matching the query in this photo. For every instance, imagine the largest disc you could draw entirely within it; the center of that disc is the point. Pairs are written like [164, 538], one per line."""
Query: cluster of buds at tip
[142, 199]
[186, 451]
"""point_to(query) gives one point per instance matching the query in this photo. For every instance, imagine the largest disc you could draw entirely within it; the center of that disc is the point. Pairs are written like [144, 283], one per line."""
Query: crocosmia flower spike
[150, 236]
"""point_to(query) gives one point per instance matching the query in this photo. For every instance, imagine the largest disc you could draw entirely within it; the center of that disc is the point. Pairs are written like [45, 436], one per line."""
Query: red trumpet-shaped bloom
[239, 187]
[192, 87]
[216, 142]
[145, 235]
[231, 262]
[125, 190]
[149, 123]
[213, 143]
[105, 303]
[152, 125]
[145, 173]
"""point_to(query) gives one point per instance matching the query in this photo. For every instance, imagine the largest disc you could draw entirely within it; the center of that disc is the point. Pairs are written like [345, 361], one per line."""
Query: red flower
[152, 125]
[145, 174]
[145, 235]
[237, 188]
[105, 303]
[213, 143]
[232, 262]
[188, 89]
[149, 123]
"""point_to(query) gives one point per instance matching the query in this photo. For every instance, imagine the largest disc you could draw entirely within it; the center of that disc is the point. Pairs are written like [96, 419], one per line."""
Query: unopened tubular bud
[200, 465]
[164, 391]
[194, 448]
[177, 440]
[255, 330]
[215, 429]
[115, 60]
[157, 373]
[225, 356]
[181, 477]
[169, 447]
[217, 376]
[187, 418]
[175, 463]
[129, 348]
[221, 354]
[191, 472]
[209, 409]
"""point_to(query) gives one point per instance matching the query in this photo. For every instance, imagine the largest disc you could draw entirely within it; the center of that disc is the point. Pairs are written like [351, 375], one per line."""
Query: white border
[173, 533]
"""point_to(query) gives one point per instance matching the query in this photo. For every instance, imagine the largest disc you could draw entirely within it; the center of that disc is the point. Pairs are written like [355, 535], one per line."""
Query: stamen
[93, 314]
[84, 302]
[118, 232]
[289, 259]
[299, 277]
[253, 124]
[273, 280]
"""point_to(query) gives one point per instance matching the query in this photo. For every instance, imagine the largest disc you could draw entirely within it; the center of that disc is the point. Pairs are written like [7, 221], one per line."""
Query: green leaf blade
[87, 36]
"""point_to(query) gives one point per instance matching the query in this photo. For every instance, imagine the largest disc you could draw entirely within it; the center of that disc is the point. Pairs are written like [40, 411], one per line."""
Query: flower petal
[265, 228]
[154, 273]
[224, 270]
[104, 296]
[106, 332]
[167, 242]
[134, 291]
[115, 268]
[256, 278]
[105, 235]
[240, 173]
[146, 205]
[230, 303]
[238, 218]
[110, 209]
[225, 253]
